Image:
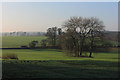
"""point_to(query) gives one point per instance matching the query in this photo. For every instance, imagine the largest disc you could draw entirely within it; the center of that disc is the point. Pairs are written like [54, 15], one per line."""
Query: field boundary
[48, 47]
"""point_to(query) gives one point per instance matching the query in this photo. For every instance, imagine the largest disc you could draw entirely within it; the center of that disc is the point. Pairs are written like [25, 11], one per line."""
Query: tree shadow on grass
[62, 69]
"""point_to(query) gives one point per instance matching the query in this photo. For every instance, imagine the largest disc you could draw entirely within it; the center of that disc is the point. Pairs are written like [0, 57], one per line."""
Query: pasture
[54, 63]
[17, 41]
[59, 69]
[55, 54]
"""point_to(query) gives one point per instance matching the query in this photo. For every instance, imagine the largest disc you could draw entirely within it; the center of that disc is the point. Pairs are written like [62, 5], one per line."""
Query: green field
[56, 54]
[17, 41]
[60, 69]
[54, 63]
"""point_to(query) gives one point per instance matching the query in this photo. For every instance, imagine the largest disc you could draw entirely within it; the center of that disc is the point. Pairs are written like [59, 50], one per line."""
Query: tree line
[76, 36]
[23, 34]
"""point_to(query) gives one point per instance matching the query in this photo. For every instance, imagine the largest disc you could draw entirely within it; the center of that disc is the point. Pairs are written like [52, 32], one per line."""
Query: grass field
[53, 63]
[17, 41]
[60, 69]
[55, 54]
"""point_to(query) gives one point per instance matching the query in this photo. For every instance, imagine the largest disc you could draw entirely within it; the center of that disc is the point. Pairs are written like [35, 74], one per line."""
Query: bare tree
[78, 29]
[96, 29]
[73, 34]
[52, 35]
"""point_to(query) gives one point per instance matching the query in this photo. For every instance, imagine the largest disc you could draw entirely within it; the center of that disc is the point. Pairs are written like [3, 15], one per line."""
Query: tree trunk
[76, 53]
[81, 49]
[90, 52]
[81, 46]
[91, 47]
[78, 49]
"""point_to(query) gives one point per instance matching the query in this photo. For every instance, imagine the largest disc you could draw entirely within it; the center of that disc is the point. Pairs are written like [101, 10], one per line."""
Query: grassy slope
[17, 41]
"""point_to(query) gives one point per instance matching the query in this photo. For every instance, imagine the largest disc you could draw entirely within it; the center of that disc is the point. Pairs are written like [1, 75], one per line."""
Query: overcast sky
[38, 16]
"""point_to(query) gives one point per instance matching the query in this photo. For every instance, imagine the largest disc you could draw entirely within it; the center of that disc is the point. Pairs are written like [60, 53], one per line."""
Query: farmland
[60, 69]
[59, 40]
[56, 54]
[54, 63]
[17, 41]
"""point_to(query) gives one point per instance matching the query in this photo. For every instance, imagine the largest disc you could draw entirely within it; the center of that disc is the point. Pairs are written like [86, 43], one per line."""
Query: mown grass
[60, 69]
[18, 41]
[53, 63]
[55, 54]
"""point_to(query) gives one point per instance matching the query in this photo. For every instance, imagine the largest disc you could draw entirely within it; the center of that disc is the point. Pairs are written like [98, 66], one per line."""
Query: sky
[38, 16]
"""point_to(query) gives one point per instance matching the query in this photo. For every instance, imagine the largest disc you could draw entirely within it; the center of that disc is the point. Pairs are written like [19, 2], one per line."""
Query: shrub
[43, 42]
[24, 46]
[33, 44]
[10, 56]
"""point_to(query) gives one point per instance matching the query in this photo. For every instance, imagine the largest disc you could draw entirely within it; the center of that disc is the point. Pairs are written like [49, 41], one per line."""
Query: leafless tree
[52, 35]
[78, 29]
[96, 29]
